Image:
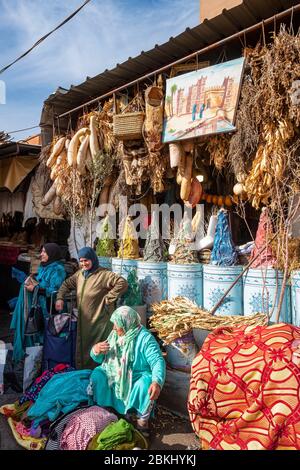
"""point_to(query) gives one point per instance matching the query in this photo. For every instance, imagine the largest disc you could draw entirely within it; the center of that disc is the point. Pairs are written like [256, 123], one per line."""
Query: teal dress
[50, 278]
[148, 366]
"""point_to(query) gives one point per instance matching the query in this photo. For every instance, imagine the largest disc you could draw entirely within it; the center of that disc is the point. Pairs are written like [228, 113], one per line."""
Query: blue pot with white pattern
[262, 287]
[105, 262]
[123, 266]
[153, 281]
[295, 297]
[185, 280]
[216, 281]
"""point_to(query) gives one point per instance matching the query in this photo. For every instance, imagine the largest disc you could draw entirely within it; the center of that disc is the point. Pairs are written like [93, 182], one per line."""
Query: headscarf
[119, 359]
[54, 253]
[88, 253]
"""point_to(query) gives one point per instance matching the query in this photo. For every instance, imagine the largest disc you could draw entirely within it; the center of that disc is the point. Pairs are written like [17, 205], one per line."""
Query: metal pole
[190, 56]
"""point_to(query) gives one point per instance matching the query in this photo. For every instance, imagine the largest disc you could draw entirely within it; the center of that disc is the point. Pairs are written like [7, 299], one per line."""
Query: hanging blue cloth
[50, 279]
[224, 252]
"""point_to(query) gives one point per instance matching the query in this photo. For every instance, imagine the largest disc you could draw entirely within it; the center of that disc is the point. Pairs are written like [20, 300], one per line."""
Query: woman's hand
[59, 305]
[29, 287]
[154, 391]
[101, 348]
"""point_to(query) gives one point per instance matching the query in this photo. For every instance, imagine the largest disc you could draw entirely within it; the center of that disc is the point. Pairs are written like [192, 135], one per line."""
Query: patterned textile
[244, 389]
[83, 426]
[32, 393]
[14, 410]
[57, 427]
[28, 442]
[56, 323]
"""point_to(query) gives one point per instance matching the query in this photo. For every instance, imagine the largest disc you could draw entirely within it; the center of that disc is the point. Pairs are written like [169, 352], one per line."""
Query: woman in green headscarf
[132, 370]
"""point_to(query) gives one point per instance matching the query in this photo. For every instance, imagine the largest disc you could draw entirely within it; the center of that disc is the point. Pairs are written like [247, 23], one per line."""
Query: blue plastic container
[216, 281]
[262, 288]
[123, 266]
[105, 262]
[185, 280]
[153, 279]
[295, 297]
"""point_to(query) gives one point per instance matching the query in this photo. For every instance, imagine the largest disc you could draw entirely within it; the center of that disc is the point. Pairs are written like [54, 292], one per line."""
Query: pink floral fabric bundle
[83, 426]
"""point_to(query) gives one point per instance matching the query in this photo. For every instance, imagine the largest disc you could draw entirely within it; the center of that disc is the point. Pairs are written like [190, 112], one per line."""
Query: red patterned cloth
[245, 389]
[83, 426]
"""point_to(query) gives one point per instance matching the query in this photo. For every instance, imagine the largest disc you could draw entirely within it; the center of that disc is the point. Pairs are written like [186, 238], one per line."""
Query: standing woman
[49, 278]
[97, 290]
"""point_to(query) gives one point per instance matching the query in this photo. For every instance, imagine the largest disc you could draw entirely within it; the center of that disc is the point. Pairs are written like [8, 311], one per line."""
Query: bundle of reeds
[175, 318]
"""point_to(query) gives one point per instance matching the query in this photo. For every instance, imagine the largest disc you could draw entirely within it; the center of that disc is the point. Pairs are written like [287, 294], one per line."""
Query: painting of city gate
[202, 102]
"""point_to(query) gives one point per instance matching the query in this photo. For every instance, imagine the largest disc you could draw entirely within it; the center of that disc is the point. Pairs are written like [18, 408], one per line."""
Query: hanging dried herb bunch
[218, 147]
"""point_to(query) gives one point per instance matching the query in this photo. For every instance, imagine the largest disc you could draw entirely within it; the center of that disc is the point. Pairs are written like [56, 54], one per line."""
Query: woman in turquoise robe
[132, 369]
[50, 277]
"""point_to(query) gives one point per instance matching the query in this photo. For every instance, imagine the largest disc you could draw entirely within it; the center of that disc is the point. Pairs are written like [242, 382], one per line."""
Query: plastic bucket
[295, 297]
[216, 281]
[105, 262]
[153, 279]
[185, 280]
[123, 266]
[181, 352]
[262, 291]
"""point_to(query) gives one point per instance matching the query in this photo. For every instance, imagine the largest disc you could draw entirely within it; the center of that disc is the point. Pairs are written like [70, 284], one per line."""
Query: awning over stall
[14, 170]
[17, 160]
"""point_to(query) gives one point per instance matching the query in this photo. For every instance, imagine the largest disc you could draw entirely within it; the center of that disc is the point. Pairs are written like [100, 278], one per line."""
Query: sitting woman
[49, 278]
[132, 370]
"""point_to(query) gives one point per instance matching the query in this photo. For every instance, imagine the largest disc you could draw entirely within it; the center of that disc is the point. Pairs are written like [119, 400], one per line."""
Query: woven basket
[129, 126]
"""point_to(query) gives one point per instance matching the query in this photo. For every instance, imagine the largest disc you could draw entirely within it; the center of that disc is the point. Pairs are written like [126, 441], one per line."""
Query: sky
[102, 34]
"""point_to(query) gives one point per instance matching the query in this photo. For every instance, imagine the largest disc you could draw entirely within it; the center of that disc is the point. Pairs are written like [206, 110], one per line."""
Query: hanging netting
[155, 249]
[106, 243]
[264, 231]
[224, 252]
[129, 247]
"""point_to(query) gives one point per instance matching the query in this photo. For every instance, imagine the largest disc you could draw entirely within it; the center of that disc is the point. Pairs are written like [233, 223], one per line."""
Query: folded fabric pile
[33, 392]
[120, 433]
[83, 426]
[63, 393]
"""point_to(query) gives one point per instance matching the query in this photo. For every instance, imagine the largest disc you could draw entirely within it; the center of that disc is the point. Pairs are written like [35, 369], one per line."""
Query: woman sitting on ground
[132, 370]
[49, 278]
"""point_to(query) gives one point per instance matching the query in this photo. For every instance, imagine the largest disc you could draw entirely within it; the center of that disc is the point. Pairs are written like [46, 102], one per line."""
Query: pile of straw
[175, 318]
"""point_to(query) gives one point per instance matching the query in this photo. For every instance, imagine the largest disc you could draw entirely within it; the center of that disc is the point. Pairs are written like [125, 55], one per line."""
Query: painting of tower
[202, 102]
